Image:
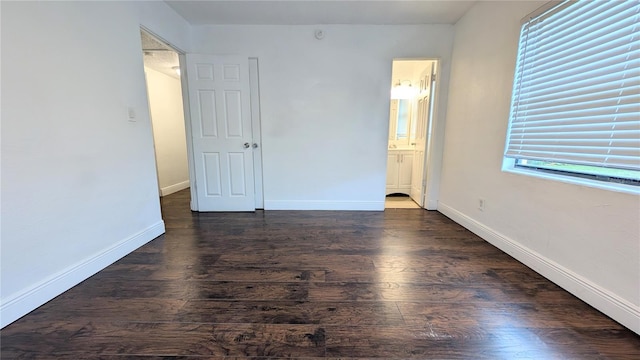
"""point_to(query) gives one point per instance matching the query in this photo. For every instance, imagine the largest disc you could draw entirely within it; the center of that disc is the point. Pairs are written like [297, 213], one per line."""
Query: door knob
[255, 146]
[246, 145]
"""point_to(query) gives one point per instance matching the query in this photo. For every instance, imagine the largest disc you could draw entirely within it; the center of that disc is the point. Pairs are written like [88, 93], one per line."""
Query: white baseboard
[323, 205]
[619, 309]
[432, 205]
[29, 299]
[168, 190]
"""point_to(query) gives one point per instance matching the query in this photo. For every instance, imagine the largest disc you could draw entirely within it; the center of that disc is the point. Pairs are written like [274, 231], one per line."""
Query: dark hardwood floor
[403, 284]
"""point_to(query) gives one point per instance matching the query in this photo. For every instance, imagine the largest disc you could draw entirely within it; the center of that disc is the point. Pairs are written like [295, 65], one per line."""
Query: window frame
[510, 164]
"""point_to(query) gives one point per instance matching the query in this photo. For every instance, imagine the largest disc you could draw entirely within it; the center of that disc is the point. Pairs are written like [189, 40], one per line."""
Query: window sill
[611, 186]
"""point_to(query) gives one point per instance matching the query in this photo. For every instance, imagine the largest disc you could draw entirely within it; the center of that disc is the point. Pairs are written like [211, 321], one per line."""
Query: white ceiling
[158, 55]
[312, 12]
[161, 57]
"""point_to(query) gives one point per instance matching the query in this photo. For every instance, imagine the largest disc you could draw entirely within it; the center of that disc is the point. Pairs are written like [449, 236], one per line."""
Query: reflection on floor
[399, 201]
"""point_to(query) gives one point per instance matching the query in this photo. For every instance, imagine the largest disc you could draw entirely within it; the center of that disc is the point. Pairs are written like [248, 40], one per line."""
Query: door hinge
[433, 77]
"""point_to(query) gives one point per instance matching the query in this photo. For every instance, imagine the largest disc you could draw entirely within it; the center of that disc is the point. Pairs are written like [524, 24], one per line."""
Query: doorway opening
[164, 93]
[410, 121]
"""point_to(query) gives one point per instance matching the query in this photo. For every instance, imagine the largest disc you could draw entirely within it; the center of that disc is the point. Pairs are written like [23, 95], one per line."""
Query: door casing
[434, 137]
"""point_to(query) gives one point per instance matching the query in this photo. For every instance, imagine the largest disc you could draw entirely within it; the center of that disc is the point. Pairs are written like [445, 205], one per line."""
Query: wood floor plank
[448, 293]
[612, 343]
[311, 285]
[423, 343]
[64, 308]
[167, 289]
[307, 259]
[442, 317]
[283, 312]
[169, 339]
[211, 272]
[436, 273]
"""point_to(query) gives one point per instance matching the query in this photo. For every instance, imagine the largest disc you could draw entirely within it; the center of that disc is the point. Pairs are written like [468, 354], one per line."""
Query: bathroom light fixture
[176, 69]
[403, 91]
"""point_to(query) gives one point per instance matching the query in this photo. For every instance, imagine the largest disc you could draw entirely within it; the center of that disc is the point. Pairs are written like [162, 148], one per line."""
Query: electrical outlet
[481, 203]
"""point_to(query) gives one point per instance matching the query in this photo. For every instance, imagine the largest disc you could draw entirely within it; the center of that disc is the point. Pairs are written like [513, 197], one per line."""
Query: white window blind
[576, 95]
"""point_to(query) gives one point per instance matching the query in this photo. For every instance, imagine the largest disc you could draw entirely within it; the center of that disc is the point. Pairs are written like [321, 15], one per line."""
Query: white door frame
[434, 141]
[181, 59]
[254, 92]
[187, 129]
[255, 125]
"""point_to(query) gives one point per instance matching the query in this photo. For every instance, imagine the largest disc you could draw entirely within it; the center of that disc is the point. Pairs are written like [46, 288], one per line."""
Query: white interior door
[222, 140]
[417, 173]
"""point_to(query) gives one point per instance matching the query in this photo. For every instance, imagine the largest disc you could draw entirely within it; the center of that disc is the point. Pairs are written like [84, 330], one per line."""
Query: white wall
[79, 185]
[167, 118]
[325, 105]
[585, 239]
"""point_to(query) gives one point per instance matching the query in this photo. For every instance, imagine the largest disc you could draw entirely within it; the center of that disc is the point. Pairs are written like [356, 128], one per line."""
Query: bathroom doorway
[410, 114]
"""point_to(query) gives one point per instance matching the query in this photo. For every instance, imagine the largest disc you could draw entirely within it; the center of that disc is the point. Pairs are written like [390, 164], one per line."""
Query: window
[575, 108]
